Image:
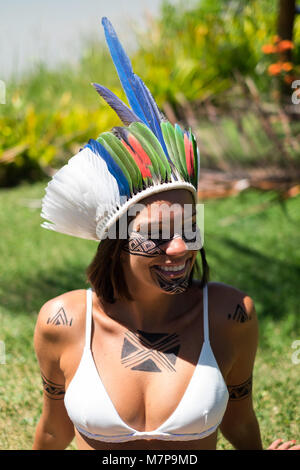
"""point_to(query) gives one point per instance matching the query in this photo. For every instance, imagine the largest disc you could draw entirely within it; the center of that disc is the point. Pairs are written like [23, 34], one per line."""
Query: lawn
[251, 242]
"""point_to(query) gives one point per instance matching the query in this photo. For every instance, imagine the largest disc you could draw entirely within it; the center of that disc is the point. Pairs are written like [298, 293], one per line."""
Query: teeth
[173, 268]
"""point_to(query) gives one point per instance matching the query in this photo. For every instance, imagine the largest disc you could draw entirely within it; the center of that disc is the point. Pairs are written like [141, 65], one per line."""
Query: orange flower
[287, 66]
[268, 49]
[275, 69]
[285, 45]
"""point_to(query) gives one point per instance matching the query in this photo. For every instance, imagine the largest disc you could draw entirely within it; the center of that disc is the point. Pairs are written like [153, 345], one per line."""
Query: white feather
[78, 196]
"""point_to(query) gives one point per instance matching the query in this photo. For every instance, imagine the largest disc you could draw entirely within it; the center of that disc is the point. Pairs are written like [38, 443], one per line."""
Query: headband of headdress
[108, 175]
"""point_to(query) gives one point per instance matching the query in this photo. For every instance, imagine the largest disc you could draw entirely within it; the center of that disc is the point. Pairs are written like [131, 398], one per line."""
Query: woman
[151, 344]
[144, 352]
[150, 357]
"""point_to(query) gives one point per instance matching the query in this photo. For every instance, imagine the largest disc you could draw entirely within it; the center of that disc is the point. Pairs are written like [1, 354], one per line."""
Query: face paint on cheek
[171, 284]
[174, 286]
[141, 246]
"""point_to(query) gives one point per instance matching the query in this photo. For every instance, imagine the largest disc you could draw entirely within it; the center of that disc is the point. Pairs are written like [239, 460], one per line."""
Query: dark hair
[105, 273]
[106, 276]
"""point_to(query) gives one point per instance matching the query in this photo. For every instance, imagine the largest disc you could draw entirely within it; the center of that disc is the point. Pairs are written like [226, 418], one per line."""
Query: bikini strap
[205, 314]
[88, 317]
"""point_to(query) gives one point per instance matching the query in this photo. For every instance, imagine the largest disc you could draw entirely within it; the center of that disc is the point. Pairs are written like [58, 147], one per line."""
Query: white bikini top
[198, 414]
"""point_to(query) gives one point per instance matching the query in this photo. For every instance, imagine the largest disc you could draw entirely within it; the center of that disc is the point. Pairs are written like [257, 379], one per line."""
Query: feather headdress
[147, 155]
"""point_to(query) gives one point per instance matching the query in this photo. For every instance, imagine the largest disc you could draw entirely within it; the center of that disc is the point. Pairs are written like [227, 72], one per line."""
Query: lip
[173, 274]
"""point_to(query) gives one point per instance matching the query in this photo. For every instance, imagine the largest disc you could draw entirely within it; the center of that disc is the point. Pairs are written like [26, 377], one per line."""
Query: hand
[280, 445]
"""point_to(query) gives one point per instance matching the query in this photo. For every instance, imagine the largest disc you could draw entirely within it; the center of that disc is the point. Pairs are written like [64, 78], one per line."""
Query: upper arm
[245, 339]
[239, 379]
[49, 343]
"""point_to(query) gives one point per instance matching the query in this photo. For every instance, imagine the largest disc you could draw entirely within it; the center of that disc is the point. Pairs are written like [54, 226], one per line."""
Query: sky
[52, 30]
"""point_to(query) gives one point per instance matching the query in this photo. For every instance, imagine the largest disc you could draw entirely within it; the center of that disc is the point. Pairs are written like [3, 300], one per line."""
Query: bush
[49, 115]
[196, 49]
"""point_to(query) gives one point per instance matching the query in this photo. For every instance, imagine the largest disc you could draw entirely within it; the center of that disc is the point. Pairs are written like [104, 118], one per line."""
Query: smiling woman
[164, 262]
[110, 268]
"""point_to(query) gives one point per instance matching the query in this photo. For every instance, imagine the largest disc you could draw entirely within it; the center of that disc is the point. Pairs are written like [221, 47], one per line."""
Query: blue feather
[124, 69]
[155, 117]
[126, 115]
[112, 166]
[139, 97]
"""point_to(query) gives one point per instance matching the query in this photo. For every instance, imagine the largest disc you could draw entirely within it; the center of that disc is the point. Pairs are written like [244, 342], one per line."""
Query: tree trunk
[285, 26]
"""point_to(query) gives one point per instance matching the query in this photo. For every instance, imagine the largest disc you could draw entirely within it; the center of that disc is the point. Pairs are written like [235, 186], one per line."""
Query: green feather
[116, 156]
[181, 150]
[126, 158]
[164, 129]
[150, 137]
[169, 137]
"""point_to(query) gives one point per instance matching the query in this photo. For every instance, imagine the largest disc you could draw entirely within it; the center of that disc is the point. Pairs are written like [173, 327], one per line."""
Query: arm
[239, 425]
[54, 430]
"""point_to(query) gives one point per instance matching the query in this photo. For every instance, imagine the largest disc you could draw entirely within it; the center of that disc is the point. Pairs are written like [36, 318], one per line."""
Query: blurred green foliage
[49, 114]
[194, 51]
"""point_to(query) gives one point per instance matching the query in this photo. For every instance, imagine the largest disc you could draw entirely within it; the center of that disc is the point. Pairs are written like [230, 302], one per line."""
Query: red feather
[189, 155]
[140, 157]
[139, 149]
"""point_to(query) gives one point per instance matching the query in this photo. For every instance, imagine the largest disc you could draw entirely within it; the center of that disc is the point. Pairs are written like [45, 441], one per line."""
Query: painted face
[158, 241]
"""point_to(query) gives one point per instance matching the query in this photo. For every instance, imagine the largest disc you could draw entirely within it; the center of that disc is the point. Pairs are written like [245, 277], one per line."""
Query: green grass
[255, 250]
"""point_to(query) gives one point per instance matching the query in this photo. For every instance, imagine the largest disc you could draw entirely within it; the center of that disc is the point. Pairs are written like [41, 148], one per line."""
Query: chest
[149, 375]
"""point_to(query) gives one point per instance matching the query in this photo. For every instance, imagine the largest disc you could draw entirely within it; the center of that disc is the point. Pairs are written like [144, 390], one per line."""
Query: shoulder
[232, 315]
[234, 325]
[61, 319]
[231, 303]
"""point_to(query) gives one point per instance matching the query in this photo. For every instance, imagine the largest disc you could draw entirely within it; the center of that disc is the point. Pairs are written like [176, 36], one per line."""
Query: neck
[150, 311]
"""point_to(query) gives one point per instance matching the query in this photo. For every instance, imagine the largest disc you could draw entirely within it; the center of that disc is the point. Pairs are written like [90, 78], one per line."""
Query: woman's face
[157, 253]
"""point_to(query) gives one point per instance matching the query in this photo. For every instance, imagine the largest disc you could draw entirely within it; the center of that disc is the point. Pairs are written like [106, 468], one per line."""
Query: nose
[175, 247]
